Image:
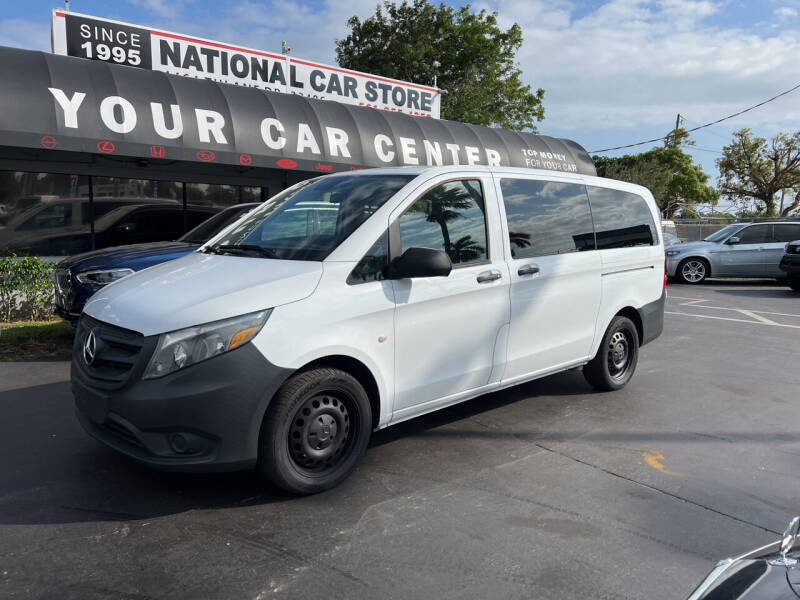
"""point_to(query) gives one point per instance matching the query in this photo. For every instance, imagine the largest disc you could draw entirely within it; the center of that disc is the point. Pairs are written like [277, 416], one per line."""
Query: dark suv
[790, 264]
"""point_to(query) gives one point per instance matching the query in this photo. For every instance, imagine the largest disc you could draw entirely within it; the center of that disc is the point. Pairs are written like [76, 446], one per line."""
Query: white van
[359, 300]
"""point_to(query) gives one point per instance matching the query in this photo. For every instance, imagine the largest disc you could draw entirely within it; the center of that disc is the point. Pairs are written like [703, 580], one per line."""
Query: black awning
[69, 104]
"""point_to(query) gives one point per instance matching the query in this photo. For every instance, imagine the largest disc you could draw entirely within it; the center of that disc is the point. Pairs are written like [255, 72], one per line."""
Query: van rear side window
[621, 219]
[546, 217]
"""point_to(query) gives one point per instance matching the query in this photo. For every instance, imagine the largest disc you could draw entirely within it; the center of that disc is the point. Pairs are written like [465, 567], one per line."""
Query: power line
[736, 114]
[690, 147]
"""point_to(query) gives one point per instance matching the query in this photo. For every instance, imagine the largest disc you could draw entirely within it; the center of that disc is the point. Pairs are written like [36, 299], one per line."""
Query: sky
[615, 72]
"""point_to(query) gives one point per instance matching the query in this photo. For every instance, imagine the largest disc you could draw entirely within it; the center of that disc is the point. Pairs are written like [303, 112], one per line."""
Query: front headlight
[103, 276]
[179, 349]
[673, 252]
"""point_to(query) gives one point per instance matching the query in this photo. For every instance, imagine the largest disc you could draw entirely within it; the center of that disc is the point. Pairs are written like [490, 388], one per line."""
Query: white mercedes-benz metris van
[358, 300]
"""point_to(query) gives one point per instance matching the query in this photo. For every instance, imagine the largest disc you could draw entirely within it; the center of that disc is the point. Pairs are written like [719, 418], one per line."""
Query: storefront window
[49, 214]
[43, 213]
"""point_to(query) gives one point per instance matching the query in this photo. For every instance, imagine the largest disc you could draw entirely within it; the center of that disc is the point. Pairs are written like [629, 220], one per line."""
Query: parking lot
[547, 490]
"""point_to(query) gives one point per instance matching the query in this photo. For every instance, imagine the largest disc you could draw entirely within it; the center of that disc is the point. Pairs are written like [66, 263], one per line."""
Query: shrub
[26, 288]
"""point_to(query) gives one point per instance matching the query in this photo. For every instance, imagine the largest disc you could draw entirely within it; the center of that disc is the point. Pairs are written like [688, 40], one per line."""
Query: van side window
[621, 219]
[449, 217]
[546, 217]
[370, 268]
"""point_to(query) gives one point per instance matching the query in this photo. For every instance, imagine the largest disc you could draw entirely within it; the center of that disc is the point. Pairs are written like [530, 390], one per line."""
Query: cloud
[634, 63]
[786, 12]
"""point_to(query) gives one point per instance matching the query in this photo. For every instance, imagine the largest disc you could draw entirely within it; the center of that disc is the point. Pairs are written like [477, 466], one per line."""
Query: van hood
[200, 288]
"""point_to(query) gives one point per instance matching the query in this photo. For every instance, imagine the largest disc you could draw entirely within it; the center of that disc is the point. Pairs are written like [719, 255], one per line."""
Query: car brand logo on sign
[245, 159]
[158, 151]
[49, 142]
[89, 348]
[105, 146]
[93, 38]
[286, 163]
[206, 155]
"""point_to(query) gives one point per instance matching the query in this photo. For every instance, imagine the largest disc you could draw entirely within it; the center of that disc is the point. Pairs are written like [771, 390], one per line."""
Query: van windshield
[307, 222]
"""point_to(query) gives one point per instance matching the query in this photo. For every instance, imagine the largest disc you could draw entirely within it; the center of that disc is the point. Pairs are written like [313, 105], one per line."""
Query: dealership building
[88, 147]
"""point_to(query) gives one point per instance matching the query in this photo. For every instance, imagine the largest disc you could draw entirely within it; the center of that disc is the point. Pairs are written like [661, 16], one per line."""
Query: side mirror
[733, 240]
[420, 262]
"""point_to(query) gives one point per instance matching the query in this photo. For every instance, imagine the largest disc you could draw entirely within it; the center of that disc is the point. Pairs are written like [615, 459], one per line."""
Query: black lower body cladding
[652, 316]
[206, 417]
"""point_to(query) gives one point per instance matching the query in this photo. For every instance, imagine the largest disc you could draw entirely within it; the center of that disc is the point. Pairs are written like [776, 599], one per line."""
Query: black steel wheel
[315, 431]
[794, 283]
[616, 359]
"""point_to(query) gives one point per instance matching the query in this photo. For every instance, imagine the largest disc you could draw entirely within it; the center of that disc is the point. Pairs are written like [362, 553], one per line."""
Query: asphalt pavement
[547, 490]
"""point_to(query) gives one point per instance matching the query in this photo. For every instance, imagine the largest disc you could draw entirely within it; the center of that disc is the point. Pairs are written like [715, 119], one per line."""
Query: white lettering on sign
[108, 114]
[159, 123]
[70, 106]
[119, 115]
[276, 142]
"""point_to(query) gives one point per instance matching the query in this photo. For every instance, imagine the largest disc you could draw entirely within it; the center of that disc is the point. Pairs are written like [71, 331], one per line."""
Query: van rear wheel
[315, 431]
[613, 365]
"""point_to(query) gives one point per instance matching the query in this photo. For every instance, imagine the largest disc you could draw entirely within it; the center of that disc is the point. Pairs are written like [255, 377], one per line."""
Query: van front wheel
[616, 358]
[315, 431]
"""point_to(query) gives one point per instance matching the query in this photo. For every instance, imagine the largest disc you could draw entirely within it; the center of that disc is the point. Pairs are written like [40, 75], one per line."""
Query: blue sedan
[80, 276]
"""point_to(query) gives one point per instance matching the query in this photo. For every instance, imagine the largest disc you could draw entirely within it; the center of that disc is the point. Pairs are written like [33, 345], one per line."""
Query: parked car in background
[669, 227]
[12, 207]
[738, 250]
[768, 573]
[80, 276]
[790, 264]
[62, 226]
[670, 239]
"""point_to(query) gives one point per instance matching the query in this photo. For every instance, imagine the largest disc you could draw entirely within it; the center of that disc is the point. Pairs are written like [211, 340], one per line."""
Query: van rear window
[621, 219]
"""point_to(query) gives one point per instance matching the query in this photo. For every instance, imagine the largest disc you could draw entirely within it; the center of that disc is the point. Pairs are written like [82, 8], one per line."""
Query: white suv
[360, 300]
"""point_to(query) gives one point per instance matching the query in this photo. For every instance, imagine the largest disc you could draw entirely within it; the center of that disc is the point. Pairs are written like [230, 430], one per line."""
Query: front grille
[64, 296]
[116, 352]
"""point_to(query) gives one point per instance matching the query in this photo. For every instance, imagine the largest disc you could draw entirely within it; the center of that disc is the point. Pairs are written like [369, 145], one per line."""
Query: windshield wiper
[244, 249]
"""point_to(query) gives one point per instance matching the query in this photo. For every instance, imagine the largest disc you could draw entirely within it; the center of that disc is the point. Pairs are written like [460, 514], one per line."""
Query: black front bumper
[791, 264]
[206, 417]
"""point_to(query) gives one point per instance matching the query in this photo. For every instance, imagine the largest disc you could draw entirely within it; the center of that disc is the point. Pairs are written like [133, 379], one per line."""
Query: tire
[794, 283]
[315, 432]
[692, 271]
[615, 362]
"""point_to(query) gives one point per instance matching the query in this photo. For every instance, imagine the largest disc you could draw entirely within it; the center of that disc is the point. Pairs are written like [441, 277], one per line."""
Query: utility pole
[671, 140]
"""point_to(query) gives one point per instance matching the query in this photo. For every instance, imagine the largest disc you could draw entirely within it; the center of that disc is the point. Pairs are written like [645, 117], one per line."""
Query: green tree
[478, 70]
[760, 174]
[668, 172]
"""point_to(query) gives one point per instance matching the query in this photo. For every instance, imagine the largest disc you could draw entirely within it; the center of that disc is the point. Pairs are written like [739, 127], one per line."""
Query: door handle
[488, 276]
[528, 270]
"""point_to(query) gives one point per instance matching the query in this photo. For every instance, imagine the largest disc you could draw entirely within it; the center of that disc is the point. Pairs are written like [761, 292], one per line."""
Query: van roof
[544, 173]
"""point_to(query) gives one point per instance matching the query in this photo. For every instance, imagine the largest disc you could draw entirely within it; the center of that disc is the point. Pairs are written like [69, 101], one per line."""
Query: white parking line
[765, 322]
[696, 302]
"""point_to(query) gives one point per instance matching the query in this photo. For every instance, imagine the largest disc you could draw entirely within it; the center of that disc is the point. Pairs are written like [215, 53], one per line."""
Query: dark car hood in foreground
[135, 256]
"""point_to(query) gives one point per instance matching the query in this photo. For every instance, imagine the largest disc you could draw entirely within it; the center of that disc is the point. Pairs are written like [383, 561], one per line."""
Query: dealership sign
[119, 43]
[56, 104]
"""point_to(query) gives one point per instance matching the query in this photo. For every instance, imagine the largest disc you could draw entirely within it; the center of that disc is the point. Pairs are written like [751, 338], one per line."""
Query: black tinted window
[546, 217]
[755, 234]
[449, 217]
[370, 268]
[621, 219]
[787, 232]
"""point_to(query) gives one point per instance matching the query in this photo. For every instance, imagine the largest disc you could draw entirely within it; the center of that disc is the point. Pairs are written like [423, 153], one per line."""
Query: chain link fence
[692, 230]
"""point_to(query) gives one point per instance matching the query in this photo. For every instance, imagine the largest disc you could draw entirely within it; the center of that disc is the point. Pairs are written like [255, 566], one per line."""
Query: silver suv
[739, 250]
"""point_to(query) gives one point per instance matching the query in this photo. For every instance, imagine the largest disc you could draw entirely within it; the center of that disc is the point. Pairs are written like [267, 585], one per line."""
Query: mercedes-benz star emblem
[89, 349]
